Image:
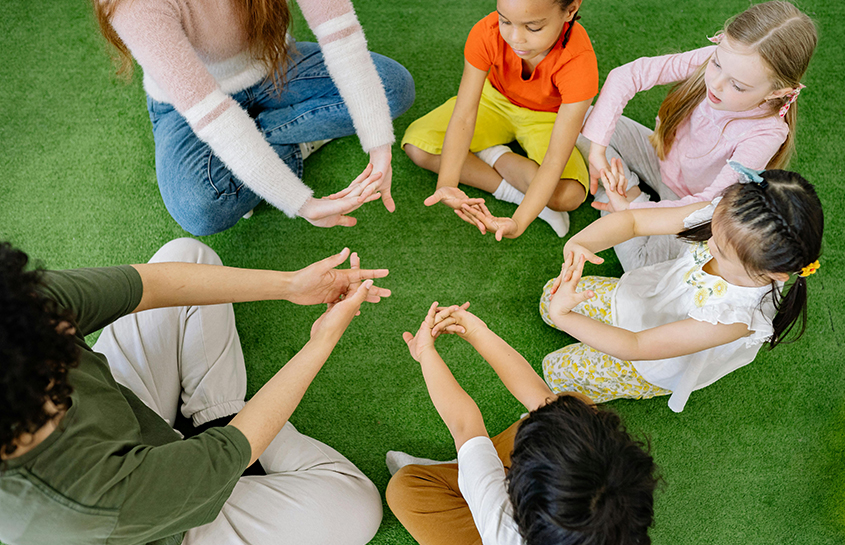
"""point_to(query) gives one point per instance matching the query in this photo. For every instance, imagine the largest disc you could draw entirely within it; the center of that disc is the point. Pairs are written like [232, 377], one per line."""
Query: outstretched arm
[457, 409]
[266, 413]
[182, 284]
[515, 372]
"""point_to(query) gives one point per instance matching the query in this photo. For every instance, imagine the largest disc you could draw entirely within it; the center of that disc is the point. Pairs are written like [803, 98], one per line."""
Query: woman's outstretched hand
[330, 211]
[322, 282]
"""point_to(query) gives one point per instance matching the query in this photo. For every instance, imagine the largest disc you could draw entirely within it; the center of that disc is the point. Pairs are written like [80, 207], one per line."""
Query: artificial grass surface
[755, 458]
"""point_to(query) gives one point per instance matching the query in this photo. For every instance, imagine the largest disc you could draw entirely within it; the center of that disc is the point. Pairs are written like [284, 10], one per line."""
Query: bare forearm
[455, 149]
[457, 409]
[513, 370]
[183, 284]
[538, 195]
[270, 408]
[615, 341]
[605, 232]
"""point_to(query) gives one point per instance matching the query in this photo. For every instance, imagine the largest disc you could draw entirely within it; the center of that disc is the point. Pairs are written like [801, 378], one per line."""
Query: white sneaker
[307, 148]
[249, 214]
[396, 460]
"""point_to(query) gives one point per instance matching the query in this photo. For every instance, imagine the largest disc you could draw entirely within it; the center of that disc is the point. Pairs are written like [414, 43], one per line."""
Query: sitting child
[680, 325]
[574, 474]
[529, 76]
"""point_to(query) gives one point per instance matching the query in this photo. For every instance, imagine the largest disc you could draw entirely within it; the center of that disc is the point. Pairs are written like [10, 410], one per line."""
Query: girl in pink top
[233, 98]
[733, 101]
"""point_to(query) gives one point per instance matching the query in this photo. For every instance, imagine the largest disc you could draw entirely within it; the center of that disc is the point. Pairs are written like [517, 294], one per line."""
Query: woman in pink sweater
[236, 103]
[733, 100]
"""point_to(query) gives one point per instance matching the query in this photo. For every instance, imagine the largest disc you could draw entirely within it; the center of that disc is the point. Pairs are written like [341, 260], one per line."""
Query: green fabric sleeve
[97, 297]
[180, 485]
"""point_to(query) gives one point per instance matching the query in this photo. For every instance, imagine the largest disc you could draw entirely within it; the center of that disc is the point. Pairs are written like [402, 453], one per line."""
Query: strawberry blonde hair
[784, 38]
[265, 21]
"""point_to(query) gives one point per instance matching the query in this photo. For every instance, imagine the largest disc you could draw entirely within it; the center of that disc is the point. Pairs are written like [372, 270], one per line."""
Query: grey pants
[630, 144]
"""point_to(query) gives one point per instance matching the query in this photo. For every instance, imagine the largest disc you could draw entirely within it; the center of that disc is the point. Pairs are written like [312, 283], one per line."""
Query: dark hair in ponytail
[774, 227]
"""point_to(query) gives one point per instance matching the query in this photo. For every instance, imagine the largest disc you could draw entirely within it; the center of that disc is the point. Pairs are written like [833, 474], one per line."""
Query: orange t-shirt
[564, 76]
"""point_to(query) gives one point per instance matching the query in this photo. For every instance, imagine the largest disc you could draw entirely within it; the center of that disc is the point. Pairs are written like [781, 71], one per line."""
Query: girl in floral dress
[680, 325]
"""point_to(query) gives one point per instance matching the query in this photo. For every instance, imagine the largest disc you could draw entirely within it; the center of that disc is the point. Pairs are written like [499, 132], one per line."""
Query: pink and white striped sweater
[194, 58]
[695, 168]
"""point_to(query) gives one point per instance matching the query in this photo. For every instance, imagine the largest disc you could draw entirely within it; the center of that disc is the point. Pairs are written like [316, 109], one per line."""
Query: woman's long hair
[784, 37]
[265, 23]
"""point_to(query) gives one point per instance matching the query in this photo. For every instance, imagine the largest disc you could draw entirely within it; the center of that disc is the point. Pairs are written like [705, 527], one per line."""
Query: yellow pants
[499, 122]
[581, 368]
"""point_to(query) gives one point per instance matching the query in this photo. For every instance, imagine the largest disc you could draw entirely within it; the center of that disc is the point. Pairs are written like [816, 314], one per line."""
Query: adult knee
[398, 84]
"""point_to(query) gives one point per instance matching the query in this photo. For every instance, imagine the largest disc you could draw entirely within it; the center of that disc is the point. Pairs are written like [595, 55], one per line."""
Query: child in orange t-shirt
[530, 74]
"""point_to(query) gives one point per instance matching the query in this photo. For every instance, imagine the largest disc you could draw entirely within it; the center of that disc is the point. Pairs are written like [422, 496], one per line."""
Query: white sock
[559, 221]
[307, 148]
[396, 460]
[492, 154]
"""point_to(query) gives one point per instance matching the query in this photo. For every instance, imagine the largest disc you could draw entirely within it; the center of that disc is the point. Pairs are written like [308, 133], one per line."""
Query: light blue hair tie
[748, 175]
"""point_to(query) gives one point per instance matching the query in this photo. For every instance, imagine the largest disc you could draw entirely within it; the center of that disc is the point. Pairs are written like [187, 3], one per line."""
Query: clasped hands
[612, 177]
[455, 319]
[342, 290]
[373, 183]
[474, 212]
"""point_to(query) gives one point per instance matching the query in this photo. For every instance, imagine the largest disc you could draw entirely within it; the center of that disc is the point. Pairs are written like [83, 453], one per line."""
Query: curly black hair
[578, 477]
[37, 349]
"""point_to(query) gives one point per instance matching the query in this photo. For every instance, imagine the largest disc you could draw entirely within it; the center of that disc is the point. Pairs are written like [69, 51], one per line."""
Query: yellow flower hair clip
[810, 269]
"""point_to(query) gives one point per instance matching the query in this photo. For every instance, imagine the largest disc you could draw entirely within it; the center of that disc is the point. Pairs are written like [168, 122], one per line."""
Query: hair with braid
[773, 228]
[784, 37]
[37, 350]
[577, 477]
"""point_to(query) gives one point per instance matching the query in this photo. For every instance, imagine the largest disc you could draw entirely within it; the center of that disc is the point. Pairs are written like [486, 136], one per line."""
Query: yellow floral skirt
[581, 368]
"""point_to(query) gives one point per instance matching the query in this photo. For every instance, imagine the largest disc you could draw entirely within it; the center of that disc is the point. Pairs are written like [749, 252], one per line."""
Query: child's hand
[424, 339]
[577, 252]
[597, 161]
[614, 181]
[457, 319]
[452, 197]
[486, 222]
[566, 297]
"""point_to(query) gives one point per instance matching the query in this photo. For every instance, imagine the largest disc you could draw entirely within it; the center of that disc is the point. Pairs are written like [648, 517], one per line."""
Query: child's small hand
[597, 161]
[577, 252]
[566, 297]
[452, 197]
[486, 222]
[424, 339]
[615, 184]
[458, 320]
[331, 324]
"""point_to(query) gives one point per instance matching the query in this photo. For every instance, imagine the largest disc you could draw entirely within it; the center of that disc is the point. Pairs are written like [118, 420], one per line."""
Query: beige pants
[192, 356]
[428, 502]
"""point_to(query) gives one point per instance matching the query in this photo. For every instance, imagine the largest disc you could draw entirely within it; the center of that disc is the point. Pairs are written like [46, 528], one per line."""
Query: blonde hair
[784, 37]
[265, 23]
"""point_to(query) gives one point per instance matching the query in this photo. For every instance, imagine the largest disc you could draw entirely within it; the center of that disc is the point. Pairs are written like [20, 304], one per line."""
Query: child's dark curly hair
[578, 477]
[37, 349]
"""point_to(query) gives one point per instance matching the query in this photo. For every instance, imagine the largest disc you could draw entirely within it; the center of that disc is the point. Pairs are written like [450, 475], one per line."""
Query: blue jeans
[202, 194]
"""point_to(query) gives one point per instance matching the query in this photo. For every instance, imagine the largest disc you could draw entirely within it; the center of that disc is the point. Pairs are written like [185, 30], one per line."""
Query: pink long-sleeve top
[194, 56]
[695, 168]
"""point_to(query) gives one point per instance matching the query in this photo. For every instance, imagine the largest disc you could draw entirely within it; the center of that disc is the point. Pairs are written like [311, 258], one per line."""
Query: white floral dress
[652, 296]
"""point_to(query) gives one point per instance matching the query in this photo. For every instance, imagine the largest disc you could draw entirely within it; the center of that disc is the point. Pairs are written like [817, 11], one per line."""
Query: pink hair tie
[717, 38]
[792, 95]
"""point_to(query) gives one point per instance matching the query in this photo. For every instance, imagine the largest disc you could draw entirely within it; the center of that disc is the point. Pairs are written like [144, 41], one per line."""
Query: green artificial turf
[756, 458]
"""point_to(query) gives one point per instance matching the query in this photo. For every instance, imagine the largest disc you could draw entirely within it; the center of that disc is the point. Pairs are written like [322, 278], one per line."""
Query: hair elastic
[748, 175]
[793, 96]
[810, 269]
[717, 38]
